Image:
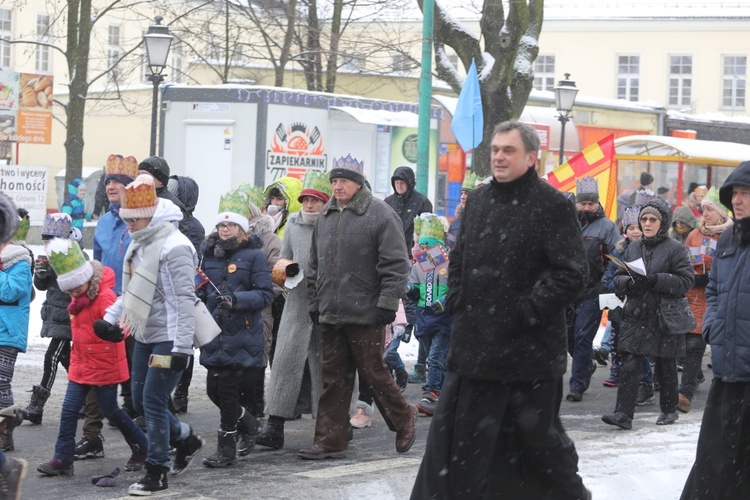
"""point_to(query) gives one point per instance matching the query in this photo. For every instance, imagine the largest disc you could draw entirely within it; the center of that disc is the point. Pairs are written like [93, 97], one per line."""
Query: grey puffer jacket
[358, 261]
[641, 332]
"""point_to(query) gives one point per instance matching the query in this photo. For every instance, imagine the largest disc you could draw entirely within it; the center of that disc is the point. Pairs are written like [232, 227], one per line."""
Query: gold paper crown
[117, 165]
[139, 198]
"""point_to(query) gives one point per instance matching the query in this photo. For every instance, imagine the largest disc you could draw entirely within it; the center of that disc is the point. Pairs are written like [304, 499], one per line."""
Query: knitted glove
[78, 304]
[226, 300]
[384, 316]
[106, 480]
[180, 362]
[105, 331]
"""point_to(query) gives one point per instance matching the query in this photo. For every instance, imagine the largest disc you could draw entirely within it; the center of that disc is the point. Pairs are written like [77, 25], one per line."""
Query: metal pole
[563, 121]
[425, 98]
[156, 79]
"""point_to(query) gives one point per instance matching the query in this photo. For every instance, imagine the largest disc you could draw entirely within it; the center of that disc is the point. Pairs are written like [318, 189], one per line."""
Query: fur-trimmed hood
[13, 254]
[96, 279]
[216, 247]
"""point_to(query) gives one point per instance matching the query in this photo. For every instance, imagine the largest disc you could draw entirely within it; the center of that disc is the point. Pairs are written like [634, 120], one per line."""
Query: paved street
[652, 460]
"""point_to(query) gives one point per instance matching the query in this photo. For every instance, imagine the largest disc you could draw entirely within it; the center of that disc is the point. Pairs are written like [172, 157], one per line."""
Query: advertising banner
[297, 142]
[25, 107]
[27, 187]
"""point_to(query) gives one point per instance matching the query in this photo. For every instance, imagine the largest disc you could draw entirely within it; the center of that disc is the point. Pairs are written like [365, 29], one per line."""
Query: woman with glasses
[668, 274]
[240, 288]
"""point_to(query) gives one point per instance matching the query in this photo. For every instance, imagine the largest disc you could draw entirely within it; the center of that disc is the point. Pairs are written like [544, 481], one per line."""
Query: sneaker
[186, 450]
[11, 476]
[89, 448]
[612, 381]
[418, 375]
[601, 356]
[136, 461]
[427, 404]
[667, 418]
[645, 394]
[362, 418]
[55, 468]
[574, 396]
[154, 481]
[684, 404]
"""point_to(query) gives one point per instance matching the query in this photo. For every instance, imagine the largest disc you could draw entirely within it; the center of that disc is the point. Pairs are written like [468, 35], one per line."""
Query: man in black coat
[407, 202]
[518, 262]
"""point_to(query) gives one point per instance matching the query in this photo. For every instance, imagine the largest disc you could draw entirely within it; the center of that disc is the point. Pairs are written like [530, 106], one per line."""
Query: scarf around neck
[139, 284]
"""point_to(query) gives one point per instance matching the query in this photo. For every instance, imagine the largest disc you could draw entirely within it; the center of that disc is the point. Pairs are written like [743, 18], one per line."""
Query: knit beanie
[651, 210]
[57, 225]
[646, 179]
[317, 185]
[138, 200]
[156, 166]
[587, 189]
[122, 170]
[233, 208]
[69, 263]
[712, 200]
[8, 219]
[348, 168]
[23, 225]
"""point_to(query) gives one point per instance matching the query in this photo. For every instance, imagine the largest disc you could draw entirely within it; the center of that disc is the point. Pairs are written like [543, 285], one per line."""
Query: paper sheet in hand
[293, 281]
[638, 266]
[609, 301]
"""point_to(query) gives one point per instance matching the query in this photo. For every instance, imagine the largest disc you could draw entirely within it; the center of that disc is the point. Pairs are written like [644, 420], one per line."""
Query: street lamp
[565, 97]
[157, 41]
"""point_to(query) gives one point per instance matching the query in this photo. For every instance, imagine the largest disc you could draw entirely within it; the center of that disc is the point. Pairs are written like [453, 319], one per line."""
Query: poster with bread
[25, 107]
[35, 91]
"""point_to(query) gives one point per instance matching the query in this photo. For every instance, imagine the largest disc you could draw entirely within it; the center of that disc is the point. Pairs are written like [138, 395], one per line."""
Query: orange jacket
[697, 295]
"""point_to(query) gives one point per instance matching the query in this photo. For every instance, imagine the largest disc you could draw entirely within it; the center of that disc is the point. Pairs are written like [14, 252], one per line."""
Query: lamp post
[157, 41]
[565, 97]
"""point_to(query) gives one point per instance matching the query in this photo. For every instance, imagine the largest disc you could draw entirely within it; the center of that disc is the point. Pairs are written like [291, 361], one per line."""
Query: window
[113, 51]
[6, 33]
[733, 82]
[42, 35]
[680, 80]
[401, 63]
[627, 77]
[176, 53]
[544, 73]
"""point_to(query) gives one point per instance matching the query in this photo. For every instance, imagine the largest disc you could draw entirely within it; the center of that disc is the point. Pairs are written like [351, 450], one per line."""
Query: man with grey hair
[518, 262]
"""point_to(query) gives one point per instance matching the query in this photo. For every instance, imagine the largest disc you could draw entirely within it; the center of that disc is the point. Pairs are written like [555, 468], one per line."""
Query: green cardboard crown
[470, 181]
[318, 181]
[23, 229]
[65, 256]
[236, 203]
[429, 227]
[254, 193]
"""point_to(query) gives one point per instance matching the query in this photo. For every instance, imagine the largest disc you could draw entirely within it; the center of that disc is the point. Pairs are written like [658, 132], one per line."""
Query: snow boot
[418, 375]
[185, 451]
[154, 481]
[226, 451]
[33, 412]
[12, 417]
[248, 428]
[272, 434]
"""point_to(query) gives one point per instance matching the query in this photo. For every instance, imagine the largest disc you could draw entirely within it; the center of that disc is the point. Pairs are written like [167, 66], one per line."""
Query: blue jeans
[151, 389]
[581, 332]
[392, 358]
[75, 397]
[437, 346]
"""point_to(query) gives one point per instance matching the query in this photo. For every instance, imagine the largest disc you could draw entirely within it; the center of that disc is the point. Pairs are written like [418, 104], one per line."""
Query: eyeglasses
[226, 225]
[132, 221]
[650, 220]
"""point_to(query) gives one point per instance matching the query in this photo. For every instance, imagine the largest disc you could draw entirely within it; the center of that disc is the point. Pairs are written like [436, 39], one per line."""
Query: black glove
[179, 362]
[226, 300]
[621, 295]
[315, 317]
[105, 331]
[438, 307]
[701, 280]
[384, 316]
[413, 294]
[647, 282]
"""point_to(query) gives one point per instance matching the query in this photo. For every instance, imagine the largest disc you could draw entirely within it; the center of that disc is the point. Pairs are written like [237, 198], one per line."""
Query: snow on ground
[648, 463]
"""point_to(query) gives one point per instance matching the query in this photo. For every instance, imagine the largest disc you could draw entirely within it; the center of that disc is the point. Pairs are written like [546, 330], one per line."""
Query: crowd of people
[496, 311]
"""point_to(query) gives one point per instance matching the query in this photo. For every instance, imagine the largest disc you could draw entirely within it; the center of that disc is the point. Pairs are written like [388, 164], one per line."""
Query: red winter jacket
[94, 361]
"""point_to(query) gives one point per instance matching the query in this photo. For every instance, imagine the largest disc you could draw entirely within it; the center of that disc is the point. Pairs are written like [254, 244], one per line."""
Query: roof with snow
[677, 149]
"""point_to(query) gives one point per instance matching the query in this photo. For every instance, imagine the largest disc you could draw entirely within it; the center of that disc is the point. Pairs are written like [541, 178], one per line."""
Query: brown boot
[684, 404]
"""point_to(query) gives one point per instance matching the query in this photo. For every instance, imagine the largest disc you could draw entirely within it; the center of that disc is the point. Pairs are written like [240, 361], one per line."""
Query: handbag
[675, 315]
[206, 328]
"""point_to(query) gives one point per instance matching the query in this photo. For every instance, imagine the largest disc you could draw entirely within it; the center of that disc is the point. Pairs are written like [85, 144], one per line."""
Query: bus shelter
[675, 162]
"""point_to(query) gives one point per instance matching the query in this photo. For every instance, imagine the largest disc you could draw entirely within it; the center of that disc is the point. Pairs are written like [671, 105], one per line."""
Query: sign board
[296, 142]
[543, 133]
[27, 187]
[25, 107]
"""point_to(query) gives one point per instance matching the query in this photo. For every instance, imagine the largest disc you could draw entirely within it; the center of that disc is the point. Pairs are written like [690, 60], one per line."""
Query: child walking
[94, 363]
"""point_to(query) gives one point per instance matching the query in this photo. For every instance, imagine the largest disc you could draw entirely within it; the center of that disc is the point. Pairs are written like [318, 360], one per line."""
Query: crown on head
[428, 225]
[349, 163]
[587, 185]
[236, 203]
[118, 165]
[630, 216]
[317, 181]
[254, 193]
[643, 197]
[470, 181]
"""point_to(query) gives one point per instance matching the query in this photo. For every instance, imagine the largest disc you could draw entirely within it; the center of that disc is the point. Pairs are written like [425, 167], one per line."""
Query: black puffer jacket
[55, 315]
[408, 205]
[641, 332]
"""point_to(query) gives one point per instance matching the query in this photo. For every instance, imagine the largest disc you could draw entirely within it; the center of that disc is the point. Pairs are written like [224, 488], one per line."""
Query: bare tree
[504, 52]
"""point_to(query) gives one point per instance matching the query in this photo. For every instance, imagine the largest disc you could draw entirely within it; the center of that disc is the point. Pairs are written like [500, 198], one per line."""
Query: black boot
[154, 481]
[12, 417]
[272, 434]
[33, 412]
[226, 451]
[248, 428]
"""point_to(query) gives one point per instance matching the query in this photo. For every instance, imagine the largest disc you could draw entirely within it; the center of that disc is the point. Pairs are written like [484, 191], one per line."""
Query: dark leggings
[223, 388]
[58, 351]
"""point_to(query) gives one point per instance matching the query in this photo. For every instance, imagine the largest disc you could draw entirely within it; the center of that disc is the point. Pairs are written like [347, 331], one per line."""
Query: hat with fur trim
[587, 189]
[120, 169]
[233, 207]
[69, 263]
[138, 200]
[8, 218]
[316, 184]
[348, 168]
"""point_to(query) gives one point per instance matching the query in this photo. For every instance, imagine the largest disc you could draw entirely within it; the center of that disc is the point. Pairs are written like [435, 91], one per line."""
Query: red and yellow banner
[598, 161]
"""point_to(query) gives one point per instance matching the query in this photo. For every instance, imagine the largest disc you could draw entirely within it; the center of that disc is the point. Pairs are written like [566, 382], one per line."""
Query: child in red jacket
[94, 363]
